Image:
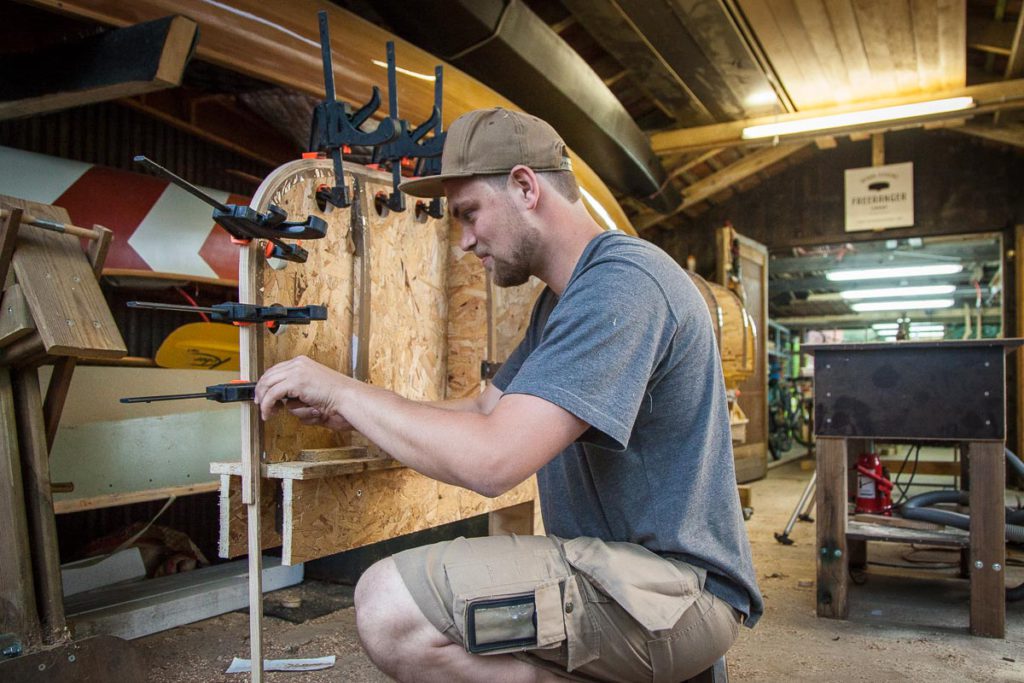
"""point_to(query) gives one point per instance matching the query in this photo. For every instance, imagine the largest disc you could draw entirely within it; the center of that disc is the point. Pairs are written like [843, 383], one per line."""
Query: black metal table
[935, 391]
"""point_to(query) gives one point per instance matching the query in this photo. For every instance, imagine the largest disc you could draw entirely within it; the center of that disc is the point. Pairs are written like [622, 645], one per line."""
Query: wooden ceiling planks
[841, 52]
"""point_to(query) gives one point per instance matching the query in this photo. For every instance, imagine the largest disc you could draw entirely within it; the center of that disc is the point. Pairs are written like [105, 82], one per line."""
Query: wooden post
[831, 548]
[252, 448]
[988, 540]
[878, 149]
[39, 502]
[17, 592]
[8, 240]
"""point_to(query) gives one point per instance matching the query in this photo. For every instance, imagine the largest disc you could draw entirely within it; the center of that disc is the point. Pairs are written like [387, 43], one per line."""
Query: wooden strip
[56, 395]
[62, 507]
[15, 318]
[898, 522]
[119, 63]
[830, 551]
[325, 454]
[99, 248]
[17, 591]
[988, 540]
[309, 470]
[39, 502]
[1015, 62]
[8, 240]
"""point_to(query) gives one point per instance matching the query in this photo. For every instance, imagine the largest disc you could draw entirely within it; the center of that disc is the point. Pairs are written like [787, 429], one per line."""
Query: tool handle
[53, 226]
[231, 392]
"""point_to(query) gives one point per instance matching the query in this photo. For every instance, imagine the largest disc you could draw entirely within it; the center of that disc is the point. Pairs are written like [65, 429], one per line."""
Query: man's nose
[468, 240]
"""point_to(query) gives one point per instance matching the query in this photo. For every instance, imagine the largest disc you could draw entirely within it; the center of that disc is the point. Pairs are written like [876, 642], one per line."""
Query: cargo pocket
[497, 617]
[651, 589]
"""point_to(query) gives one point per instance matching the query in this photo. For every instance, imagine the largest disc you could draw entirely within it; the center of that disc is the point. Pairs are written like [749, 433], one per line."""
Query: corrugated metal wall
[110, 135]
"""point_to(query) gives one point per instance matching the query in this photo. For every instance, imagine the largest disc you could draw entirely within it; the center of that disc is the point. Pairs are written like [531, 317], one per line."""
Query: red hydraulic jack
[874, 489]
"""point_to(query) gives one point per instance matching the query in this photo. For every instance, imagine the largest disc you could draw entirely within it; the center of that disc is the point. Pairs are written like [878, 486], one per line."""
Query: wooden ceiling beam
[118, 63]
[989, 97]
[1015, 62]
[723, 179]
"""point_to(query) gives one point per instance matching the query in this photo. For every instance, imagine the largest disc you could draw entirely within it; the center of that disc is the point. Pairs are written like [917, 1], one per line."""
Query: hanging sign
[880, 197]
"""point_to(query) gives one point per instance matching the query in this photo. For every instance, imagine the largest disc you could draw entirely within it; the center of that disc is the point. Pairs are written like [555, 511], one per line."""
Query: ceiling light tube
[914, 305]
[889, 292]
[897, 271]
[857, 118]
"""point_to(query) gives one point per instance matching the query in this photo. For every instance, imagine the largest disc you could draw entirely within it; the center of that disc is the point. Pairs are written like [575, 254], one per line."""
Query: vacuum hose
[918, 508]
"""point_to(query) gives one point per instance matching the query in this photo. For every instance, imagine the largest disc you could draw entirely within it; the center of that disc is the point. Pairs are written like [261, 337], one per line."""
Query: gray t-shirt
[629, 349]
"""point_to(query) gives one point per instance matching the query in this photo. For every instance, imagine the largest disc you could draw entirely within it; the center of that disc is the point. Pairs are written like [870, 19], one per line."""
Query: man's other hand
[308, 390]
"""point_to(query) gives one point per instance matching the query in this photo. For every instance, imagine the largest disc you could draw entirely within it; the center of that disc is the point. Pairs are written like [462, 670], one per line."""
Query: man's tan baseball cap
[492, 142]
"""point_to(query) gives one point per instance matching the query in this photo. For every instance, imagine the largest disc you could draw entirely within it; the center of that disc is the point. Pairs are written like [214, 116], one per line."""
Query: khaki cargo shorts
[589, 609]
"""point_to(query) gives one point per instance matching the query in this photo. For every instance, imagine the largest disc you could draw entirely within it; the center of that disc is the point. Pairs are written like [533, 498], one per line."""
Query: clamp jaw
[244, 223]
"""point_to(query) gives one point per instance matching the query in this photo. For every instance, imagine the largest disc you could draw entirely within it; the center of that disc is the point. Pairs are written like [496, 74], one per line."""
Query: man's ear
[525, 186]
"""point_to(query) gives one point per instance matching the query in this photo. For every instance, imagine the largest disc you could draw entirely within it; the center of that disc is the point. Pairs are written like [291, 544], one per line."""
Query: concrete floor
[904, 625]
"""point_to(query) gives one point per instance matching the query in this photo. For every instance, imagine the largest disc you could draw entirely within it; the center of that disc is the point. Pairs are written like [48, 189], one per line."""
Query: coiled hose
[918, 508]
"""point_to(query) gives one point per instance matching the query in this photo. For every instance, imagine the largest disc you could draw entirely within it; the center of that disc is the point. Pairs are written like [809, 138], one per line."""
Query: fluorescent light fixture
[895, 271]
[885, 328]
[909, 305]
[857, 118]
[889, 292]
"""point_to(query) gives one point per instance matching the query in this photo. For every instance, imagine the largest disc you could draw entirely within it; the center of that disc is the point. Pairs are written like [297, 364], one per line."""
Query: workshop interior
[191, 192]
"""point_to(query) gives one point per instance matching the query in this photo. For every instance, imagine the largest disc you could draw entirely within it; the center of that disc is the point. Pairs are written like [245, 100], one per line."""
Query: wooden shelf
[862, 531]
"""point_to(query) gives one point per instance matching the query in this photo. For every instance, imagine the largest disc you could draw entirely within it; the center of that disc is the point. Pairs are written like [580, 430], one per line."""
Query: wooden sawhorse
[930, 391]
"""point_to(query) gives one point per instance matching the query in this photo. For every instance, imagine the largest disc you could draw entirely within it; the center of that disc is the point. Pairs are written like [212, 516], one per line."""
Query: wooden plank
[328, 454]
[15, 318]
[39, 502]
[234, 523]
[142, 608]
[62, 507]
[67, 305]
[830, 522]
[99, 248]
[988, 541]
[114, 64]
[952, 31]
[17, 591]
[321, 469]
[861, 531]
[468, 316]
[894, 521]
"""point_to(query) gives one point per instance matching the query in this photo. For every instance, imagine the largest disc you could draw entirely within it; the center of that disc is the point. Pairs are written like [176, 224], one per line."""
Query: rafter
[723, 179]
[989, 97]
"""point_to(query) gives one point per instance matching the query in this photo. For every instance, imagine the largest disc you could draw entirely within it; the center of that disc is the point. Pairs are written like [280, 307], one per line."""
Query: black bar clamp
[334, 126]
[244, 223]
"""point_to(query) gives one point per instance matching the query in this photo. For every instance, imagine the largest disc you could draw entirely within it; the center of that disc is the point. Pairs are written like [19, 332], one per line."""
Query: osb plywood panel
[234, 527]
[510, 311]
[324, 516]
[325, 279]
[467, 319]
[408, 272]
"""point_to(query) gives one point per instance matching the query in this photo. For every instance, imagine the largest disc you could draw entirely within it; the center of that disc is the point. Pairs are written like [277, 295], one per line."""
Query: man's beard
[518, 269]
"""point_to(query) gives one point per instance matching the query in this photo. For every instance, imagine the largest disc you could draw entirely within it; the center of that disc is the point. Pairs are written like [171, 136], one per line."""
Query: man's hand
[309, 391]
